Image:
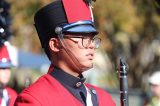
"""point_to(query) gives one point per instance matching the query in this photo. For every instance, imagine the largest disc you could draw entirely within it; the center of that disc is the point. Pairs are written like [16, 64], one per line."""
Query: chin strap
[74, 60]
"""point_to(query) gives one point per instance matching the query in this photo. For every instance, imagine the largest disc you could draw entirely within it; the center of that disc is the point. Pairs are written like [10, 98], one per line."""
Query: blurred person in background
[154, 81]
[68, 35]
[7, 94]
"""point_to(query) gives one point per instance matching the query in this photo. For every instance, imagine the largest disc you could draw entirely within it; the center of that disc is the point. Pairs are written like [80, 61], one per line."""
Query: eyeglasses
[85, 41]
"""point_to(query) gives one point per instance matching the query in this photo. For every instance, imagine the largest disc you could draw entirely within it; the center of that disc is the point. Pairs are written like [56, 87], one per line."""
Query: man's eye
[85, 37]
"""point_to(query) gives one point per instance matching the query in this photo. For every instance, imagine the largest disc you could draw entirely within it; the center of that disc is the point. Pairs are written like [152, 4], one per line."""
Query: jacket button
[78, 84]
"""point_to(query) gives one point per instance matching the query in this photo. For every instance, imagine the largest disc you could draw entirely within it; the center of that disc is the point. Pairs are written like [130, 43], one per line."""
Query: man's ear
[54, 44]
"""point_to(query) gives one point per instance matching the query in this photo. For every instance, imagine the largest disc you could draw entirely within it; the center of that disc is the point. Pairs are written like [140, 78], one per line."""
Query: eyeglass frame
[91, 39]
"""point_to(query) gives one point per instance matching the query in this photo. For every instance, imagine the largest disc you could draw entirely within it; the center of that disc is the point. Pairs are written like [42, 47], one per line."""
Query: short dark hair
[47, 51]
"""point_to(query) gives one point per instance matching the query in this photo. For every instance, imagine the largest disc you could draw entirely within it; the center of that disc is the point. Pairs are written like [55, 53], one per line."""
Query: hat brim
[82, 29]
[5, 65]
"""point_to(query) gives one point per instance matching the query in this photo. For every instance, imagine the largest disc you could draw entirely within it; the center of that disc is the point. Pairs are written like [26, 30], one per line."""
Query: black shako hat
[73, 16]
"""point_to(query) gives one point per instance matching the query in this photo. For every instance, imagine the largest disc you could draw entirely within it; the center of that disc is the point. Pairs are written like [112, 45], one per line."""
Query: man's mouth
[90, 56]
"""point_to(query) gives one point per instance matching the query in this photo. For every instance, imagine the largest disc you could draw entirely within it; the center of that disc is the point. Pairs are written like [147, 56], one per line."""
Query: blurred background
[128, 28]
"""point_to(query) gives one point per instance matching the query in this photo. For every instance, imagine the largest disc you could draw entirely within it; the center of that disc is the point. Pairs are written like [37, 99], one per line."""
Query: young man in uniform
[7, 94]
[68, 36]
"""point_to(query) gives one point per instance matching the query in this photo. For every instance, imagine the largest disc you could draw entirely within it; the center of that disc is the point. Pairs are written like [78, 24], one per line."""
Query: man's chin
[87, 67]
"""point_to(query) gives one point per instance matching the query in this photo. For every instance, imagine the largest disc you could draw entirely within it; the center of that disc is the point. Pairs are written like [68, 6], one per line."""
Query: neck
[67, 69]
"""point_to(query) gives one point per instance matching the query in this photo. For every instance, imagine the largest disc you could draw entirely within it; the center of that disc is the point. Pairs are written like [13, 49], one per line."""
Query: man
[7, 94]
[154, 81]
[68, 36]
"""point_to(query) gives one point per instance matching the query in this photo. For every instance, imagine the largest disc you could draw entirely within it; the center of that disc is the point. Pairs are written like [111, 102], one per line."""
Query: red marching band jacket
[47, 91]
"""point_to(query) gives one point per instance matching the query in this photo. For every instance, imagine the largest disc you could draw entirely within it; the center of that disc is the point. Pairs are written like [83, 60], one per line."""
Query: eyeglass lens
[85, 41]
